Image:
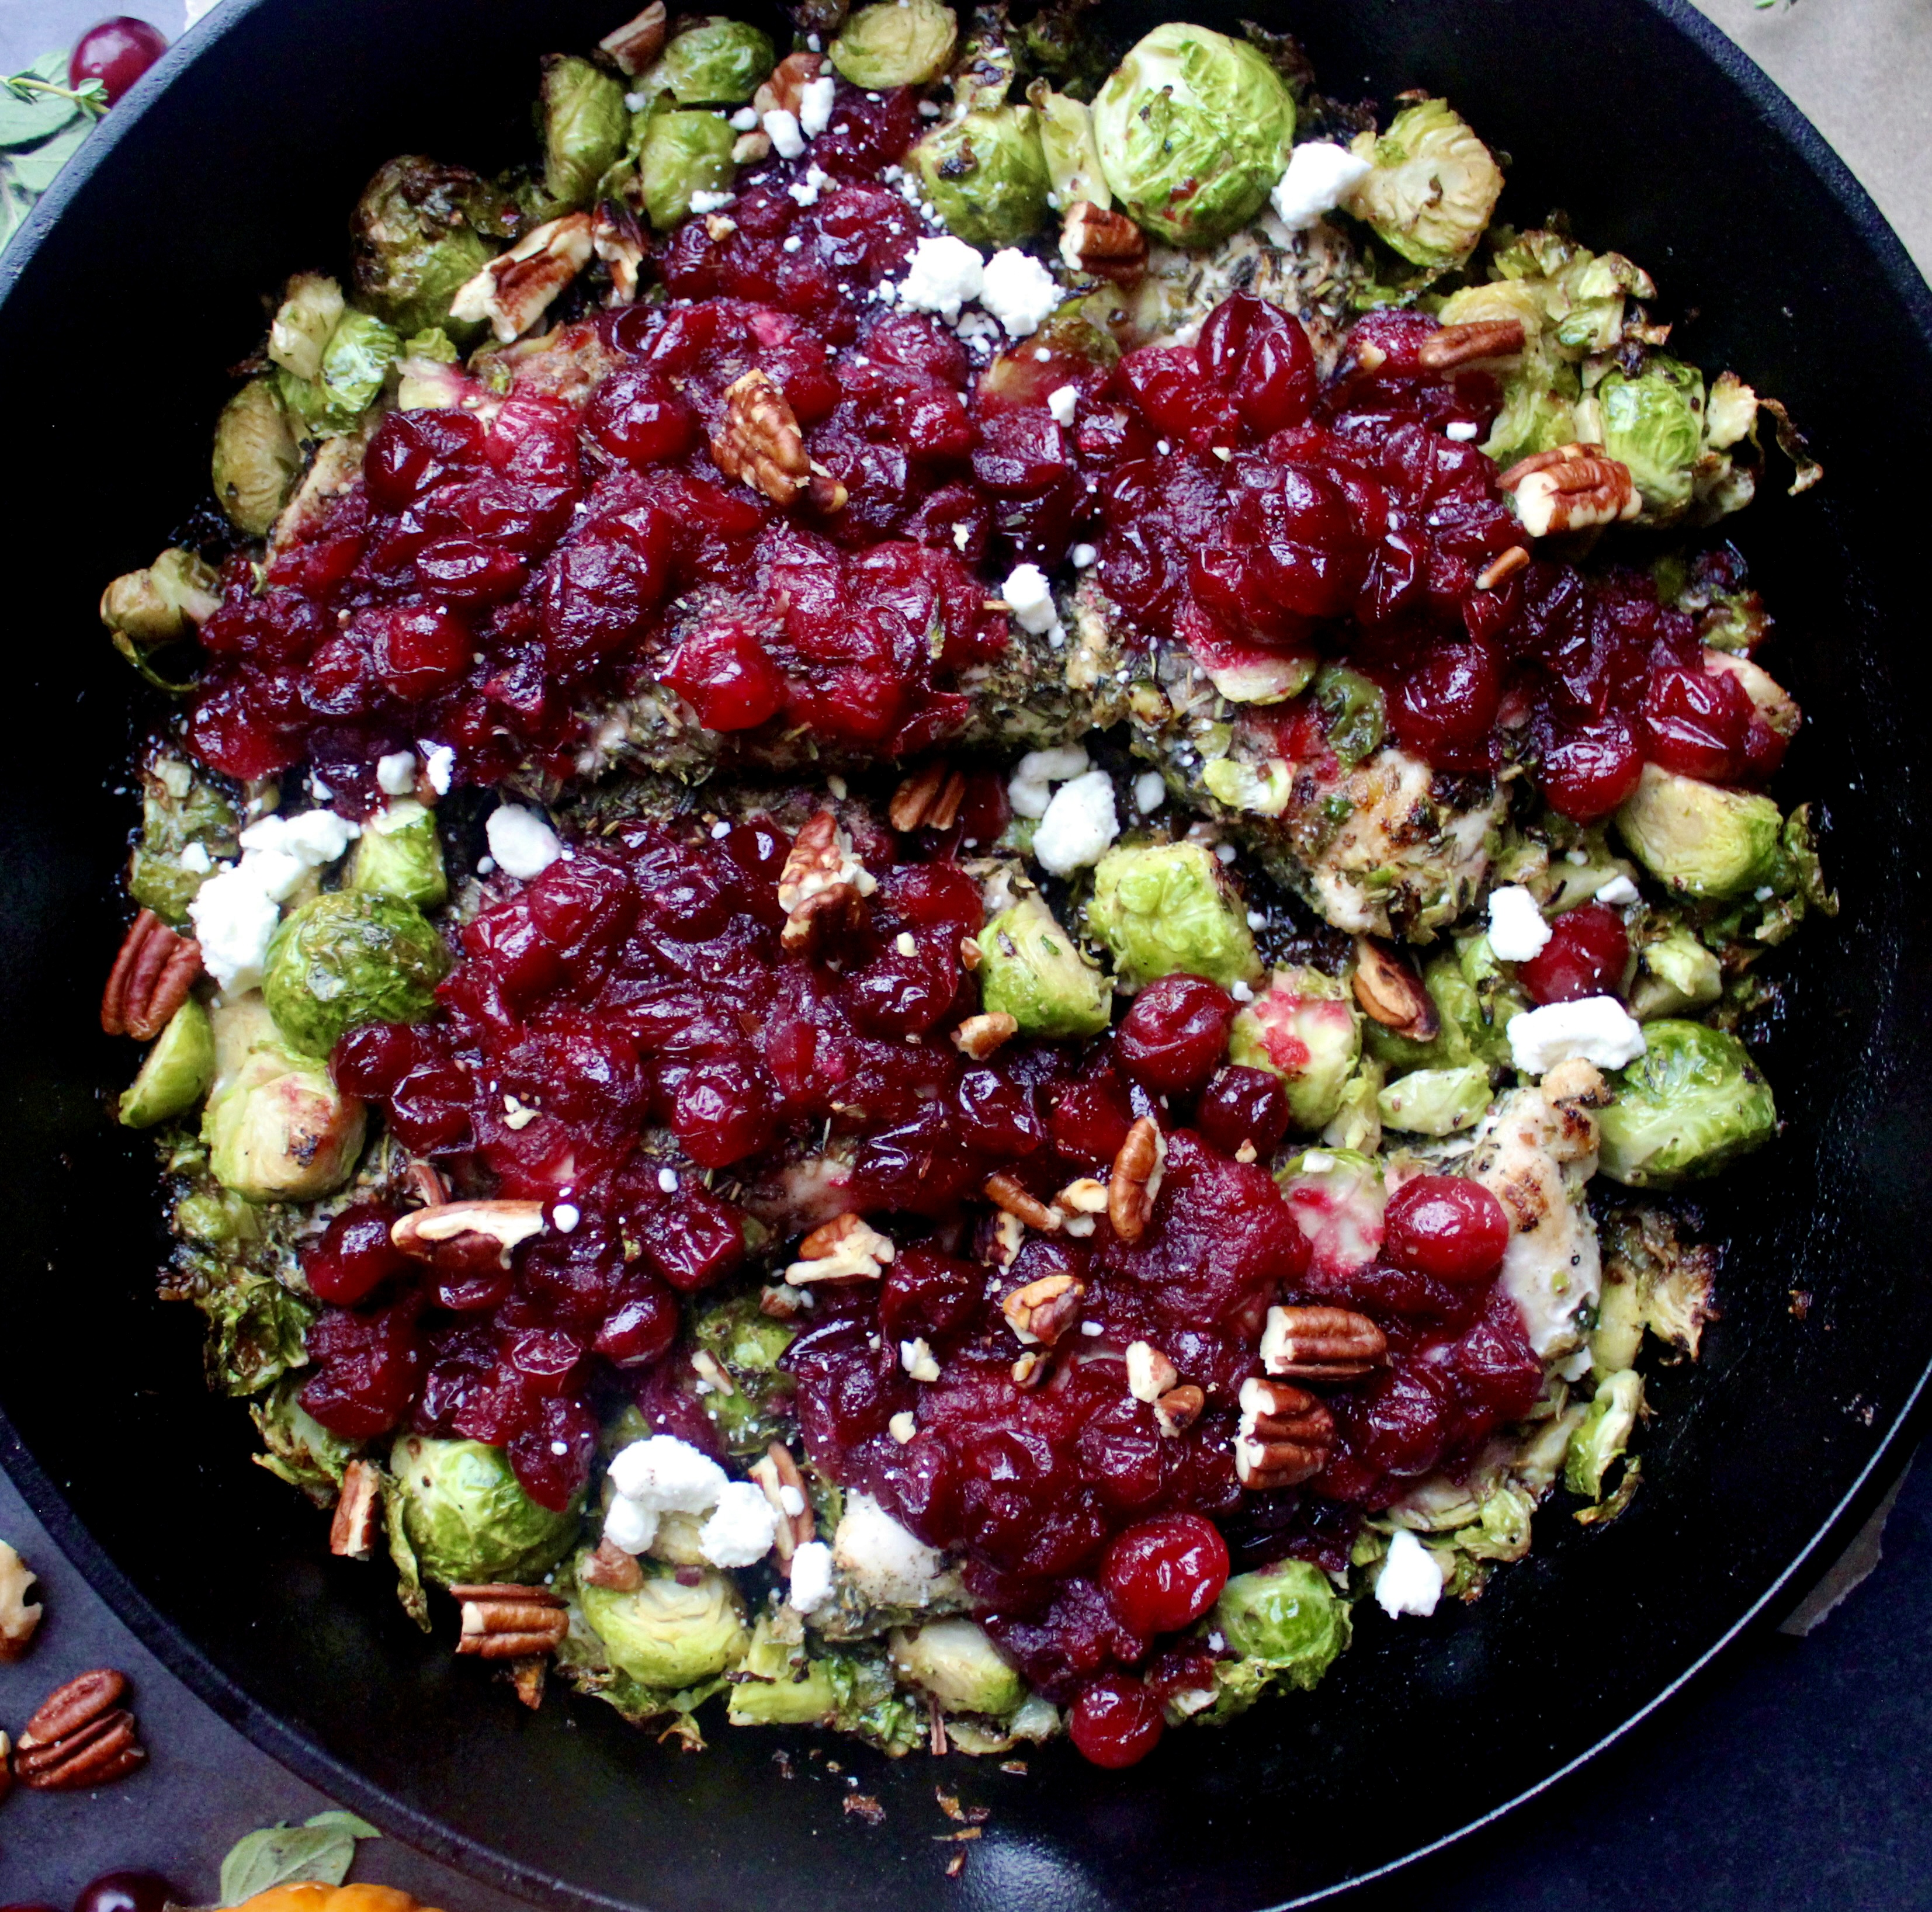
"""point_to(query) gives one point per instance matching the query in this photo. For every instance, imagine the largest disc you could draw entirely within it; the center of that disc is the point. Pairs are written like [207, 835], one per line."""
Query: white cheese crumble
[1410, 1581]
[1618, 891]
[564, 1217]
[1461, 431]
[667, 1475]
[1149, 792]
[628, 1526]
[1517, 931]
[1030, 597]
[744, 120]
[1079, 825]
[811, 1577]
[1084, 557]
[235, 912]
[439, 765]
[943, 274]
[703, 201]
[396, 774]
[741, 1528]
[1598, 1029]
[196, 858]
[1061, 403]
[1319, 177]
[814, 104]
[782, 129]
[889, 1566]
[1030, 790]
[522, 843]
[1019, 292]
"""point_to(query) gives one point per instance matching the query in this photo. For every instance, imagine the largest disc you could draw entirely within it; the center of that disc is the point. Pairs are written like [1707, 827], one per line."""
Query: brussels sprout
[1356, 1126]
[1193, 130]
[778, 1684]
[985, 174]
[1072, 160]
[1502, 1532]
[1689, 1106]
[1675, 973]
[1433, 188]
[1169, 907]
[1304, 1029]
[1285, 1626]
[1653, 1279]
[419, 232]
[1032, 970]
[1339, 1199]
[161, 605]
[668, 1636]
[1436, 1101]
[280, 1131]
[1603, 1433]
[468, 1520]
[1654, 422]
[1353, 712]
[584, 126]
[301, 1451]
[1700, 839]
[713, 62]
[177, 1071]
[349, 957]
[256, 459]
[897, 42]
[399, 855]
[432, 345]
[354, 362]
[955, 1663]
[682, 153]
[311, 307]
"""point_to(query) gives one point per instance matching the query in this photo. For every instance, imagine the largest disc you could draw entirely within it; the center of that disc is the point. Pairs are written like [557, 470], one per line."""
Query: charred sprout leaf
[1676, 975]
[256, 459]
[301, 1450]
[353, 364]
[403, 1554]
[350, 956]
[421, 230]
[1194, 130]
[146, 611]
[1060, 42]
[779, 1683]
[1434, 186]
[1073, 159]
[1168, 908]
[281, 1131]
[1654, 422]
[1626, 1492]
[256, 1331]
[1032, 970]
[895, 42]
[311, 308]
[683, 153]
[399, 855]
[1603, 1434]
[985, 174]
[322, 1849]
[176, 1073]
[1654, 1278]
[1791, 441]
[1691, 1104]
[1284, 1625]
[713, 62]
[584, 126]
[1698, 839]
[1354, 712]
[467, 1519]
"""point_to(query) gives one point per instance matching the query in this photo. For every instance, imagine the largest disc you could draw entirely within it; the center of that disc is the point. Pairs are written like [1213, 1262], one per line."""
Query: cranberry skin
[636, 415]
[1164, 1573]
[1116, 1722]
[127, 1892]
[1175, 1033]
[1586, 955]
[1241, 1104]
[1446, 1225]
[417, 649]
[640, 1329]
[354, 1255]
[116, 52]
[1444, 707]
[1696, 724]
[1587, 772]
[727, 678]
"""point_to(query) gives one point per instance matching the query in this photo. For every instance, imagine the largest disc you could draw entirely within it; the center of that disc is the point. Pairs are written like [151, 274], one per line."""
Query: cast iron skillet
[138, 280]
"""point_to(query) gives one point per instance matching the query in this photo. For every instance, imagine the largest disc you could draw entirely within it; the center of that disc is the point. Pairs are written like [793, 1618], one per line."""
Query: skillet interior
[140, 280]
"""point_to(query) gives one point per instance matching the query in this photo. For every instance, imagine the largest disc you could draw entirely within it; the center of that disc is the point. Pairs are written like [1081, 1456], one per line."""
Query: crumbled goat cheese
[741, 1529]
[1618, 891]
[667, 1180]
[889, 1566]
[703, 202]
[196, 858]
[791, 244]
[564, 1218]
[943, 274]
[1149, 792]
[782, 128]
[1085, 556]
[1061, 403]
[235, 912]
[439, 765]
[1030, 597]
[1079, 824]
[1030, 790]
[522, 843]
[744, 120]
[628, 1526]
[1318, 178]
[929, 109]
[1461, 431]
[814, 104]
[811, 1577]
[396, 774]
[1517, 931]
[1597, 1029]
[667, 1476]
[1019, 292]
[1410, 1581]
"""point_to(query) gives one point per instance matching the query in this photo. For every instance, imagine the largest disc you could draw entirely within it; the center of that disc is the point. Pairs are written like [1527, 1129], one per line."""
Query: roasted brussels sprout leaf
[585, 125]
[986, 176]
[1032, 970]
[349, 956]
[1168, 908]
[177, 1072]
[467, 1520]
[895, 42]
[713, 62]
[1433, 188]
[1689, 1106]
[421, 230]
[256, 457]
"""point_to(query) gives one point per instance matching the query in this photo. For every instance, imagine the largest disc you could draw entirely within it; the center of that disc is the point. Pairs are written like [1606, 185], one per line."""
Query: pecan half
[1284, 1437]
[1149, 1374]
[980, 1036]
[358, 1512]
[929, 799]
[619, 240]
[1460, 345]
[514, 290]
[760, 443]
[778, 1478]
[480, 1230]
[150, 980]
[19, 1615]
[783, 90]
[80, 1736]
[1504, 565]
[1103, 245]
[1177, 1409]
[508, 1623]
[1571, 489]
[638, 42]
[1005, 1191]
[1042, 1311]
[821, 882]
[1136, 1180]
[607, 1565]
[844, 1247]
[1391, 993]
[1322, 1343]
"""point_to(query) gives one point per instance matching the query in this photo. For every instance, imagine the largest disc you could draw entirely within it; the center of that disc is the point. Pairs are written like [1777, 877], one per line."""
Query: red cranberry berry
[1241, 1104]
[353, 1256]
[1445, 1225]
[116, 52]
[1165, 1572]
[1175, 1033]
[1585, 956]
[1588, 771]
[127, 1892]
[1116, 1722]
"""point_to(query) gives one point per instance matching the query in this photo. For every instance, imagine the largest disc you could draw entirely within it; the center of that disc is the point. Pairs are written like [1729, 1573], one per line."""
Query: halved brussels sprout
[1654, 422]
[682, 153]
[777, 1683]
[1032, 970]
[1434, 186]
[676, 1630]
[177, 1071]
[954, 1662]
[1603, 1433]
[1356, 1126]
[1305, 1029]
[1285, 1624]
[1436, 1101]
[1674, 974]
[399, 854]
[1193, 130]
[255, 458]
[420, 231]
[1689, 1106]
[354, 364]
[311, 308]
[985, 174]
[279, 1130]
[1354, 713]
[713, 62]
[301, 1450]
[1699, 839]
[897, 42]
[1166, 908]
[585, 125]
[468, 1520]
[1073, 159]
[348, 958]
[146, 610]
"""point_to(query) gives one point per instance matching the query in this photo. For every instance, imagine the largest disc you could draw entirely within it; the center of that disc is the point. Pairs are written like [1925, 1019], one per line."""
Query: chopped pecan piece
[1505, 565]
[619, 240]
[1461, 345]
[980, 1036]
[821, 882]
[1149, 1374]
[81, 1736]
[783, 1485]
[1388, 988]
[150, 980]
[609, 1566]
[783, 90]
[761, 444]
[1042, 1311]
[19, 1615]
[1571, 489]
[510, 1622]
[1284, 1437]
[358, 1512]
[635, 44]
[929, 799]
[1103, 245]
[846, 1247]
[1005, 1191]
[1136, 1180]
[483, 1230]
[1322, 1343]
[1177, 1409]
[514, 290]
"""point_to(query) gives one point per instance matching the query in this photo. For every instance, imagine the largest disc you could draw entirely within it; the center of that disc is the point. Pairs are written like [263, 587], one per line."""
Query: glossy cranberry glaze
[1116, 1722]
[1162, 1574]
[1587, 954]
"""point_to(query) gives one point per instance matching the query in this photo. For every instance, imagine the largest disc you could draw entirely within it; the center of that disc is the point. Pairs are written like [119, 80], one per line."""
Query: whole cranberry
[1116, 1722]
[1585, 956]
[127, 1892]
[1175, 1033]
[354, 1255]
[1242, 1104]
[1587, 771]
[116, 52]
[1164, 1572]
[1445, 1225]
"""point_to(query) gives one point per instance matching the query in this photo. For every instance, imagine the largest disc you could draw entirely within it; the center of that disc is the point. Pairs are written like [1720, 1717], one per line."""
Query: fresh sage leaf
[35, 170]
[348, 1821]
[322, 1851]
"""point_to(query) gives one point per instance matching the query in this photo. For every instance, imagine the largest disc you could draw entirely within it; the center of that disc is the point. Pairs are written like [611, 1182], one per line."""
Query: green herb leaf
[322, 1851]
[29, 115]
[35, 170]
[348, 1822]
